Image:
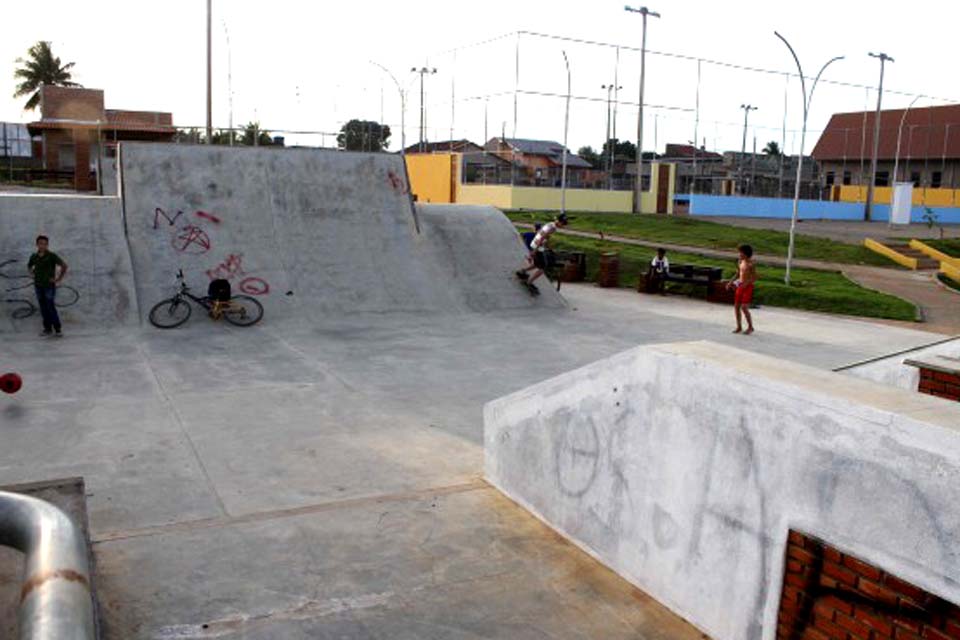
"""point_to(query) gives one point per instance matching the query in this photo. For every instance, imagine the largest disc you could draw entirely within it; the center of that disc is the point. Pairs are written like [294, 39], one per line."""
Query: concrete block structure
[686, 468]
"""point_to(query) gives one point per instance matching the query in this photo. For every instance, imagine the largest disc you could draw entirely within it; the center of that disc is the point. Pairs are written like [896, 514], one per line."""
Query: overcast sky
[306, 66]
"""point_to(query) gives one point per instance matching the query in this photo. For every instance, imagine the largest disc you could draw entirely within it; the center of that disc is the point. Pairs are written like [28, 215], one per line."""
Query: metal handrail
[55, 599]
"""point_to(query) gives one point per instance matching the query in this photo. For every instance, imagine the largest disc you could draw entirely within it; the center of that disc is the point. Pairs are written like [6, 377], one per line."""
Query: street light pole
[747, 108]
[868, 210]
[423, 71]
[896, 157]
[403, 109]
[638, 187]
[209, 72]
[609, 140]
[566, 128]
[807, 99]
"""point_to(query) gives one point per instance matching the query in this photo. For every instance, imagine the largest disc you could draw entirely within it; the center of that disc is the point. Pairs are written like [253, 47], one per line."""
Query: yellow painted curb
[882, 249]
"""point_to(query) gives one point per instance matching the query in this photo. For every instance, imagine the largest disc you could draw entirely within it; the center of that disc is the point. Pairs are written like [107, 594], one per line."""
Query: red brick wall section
[828, 595]
[940, 384]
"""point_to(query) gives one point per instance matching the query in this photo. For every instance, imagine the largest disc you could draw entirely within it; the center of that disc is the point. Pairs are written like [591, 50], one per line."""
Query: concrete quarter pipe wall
[311, 230]
[86, 232]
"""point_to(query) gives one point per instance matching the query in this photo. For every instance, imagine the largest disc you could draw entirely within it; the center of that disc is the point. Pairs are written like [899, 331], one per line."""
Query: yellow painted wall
[648, 200]
[951, 271]
[495, 195]
[896, 256]
[548, 199]
[921, 196]
[431, 176]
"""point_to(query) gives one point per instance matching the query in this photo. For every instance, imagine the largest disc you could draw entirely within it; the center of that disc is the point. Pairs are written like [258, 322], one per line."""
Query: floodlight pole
[896, 158]
[868, 209]
[209, 72]
[609, 141]
[566, 128]
[807, 99]
[638, 187]
[423, 71]
[747, 108]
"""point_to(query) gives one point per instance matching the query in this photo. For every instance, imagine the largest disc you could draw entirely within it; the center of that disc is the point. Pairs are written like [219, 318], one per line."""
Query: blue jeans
[45, 299]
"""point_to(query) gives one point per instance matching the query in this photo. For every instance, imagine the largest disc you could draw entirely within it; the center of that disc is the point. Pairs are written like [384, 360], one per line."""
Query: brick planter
[609, 270]
[829, 595]
[939, 376]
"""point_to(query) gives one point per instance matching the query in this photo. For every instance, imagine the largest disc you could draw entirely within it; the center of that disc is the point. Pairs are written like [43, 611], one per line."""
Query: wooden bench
[709, 277]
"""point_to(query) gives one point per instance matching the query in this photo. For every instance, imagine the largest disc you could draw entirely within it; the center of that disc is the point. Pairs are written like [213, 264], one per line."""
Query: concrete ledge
[683, 466]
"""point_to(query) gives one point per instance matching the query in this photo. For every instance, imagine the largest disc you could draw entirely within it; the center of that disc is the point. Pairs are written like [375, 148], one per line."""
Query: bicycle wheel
[243, 311]
[170, 313]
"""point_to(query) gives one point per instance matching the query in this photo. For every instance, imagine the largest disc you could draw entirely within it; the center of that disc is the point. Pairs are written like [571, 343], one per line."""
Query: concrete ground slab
[324, 481]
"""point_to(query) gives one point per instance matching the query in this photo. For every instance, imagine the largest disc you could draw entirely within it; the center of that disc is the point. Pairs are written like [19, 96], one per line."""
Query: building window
[883, 179]
[936, 179]
[915, 178]
[831, 178]
[847, 178]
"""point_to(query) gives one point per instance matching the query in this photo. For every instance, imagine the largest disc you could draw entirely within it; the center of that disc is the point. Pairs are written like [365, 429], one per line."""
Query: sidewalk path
[939, 308]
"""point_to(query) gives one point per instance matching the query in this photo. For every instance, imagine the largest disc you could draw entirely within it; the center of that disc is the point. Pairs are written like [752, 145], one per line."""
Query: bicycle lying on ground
[66, 295]
[241, 311]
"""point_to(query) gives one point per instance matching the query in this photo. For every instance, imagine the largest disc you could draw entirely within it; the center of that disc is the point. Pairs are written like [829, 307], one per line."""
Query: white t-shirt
[540, 239]
[660, 266]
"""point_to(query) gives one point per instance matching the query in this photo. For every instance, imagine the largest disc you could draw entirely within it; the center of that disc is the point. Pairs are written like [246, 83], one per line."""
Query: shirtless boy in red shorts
[743, 296]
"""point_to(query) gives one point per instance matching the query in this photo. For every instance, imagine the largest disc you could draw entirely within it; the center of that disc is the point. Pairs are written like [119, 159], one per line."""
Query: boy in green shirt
[43, 267]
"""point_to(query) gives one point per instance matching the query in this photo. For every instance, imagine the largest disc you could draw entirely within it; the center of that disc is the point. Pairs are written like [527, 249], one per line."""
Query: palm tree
[41, 67]
[772, 149]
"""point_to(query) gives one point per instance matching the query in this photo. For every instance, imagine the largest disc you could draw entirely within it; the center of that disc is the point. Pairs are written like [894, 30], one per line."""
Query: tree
[772, 149]
[364, 135]
[251, 132]
[625, 150]
[39, 68]
[588, 154]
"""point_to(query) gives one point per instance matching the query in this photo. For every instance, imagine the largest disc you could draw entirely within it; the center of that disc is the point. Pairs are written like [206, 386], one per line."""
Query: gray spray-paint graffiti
[17, 289]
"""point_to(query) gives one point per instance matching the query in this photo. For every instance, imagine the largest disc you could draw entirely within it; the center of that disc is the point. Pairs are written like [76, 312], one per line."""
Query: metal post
[696, 131]
[610, 140]
[566, 128]
[783, 136]
[638, 187]
[747, 108]
[209, 72]
[807, 99]
[868, 209]
[230, 80]
[616, 105]
[55, 601]
[403, 108]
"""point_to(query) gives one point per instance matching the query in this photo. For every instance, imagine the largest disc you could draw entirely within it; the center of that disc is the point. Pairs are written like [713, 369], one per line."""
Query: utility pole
[609, 140]
[566, 129]
[638, 187]
[209, 72]
[868, 210]
[423, 71]
[747, 108]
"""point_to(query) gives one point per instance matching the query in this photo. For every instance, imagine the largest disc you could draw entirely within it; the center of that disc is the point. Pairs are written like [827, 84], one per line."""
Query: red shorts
[743, 295]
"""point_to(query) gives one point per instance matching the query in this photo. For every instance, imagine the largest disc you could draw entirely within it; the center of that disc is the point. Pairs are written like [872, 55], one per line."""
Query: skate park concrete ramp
[87, 232]
[311, 230]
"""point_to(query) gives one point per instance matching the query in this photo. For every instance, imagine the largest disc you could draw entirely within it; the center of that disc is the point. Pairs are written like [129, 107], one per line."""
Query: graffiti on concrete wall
[16, 289]
[190, 236]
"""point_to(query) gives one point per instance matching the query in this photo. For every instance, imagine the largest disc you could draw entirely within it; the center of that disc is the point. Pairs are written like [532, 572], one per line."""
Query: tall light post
[638, 187]
[807, 99]
[566, 128]
[209, 72]
[226, 33]
[423, 71]
[896, 157]
[609, 140]
[747, 108]
[403, 108]
[868, 209]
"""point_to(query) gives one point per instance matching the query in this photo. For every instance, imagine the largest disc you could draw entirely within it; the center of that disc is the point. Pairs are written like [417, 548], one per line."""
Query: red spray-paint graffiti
[208, 216]
[398, 183]
[192, 240]
[232, 269]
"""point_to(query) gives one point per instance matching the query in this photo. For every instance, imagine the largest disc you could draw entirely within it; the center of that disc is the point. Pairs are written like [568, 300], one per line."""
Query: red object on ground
[10, 383]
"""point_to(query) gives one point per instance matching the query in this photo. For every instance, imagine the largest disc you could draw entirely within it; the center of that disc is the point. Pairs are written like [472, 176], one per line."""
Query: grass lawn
[950, 246]
[811, 290]
[700, 233]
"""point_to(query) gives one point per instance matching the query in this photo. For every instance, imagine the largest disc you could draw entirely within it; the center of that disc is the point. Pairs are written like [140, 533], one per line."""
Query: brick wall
[828, 595]
[940, 384]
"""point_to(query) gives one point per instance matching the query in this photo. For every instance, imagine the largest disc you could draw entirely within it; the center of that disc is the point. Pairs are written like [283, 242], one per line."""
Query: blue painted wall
[745, 207]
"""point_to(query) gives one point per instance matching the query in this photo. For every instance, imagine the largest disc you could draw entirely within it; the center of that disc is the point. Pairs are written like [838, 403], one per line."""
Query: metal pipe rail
[55, 599]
